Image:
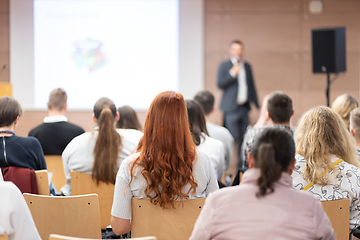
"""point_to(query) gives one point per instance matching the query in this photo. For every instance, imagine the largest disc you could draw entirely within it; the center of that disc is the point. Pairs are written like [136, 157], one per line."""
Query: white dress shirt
[242, 96]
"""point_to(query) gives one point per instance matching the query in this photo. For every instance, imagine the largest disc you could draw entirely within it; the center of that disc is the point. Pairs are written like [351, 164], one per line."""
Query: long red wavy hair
[167, 151]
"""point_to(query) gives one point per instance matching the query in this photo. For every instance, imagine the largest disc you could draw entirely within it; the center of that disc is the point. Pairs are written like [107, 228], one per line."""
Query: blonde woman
[324, 146]
[343, 105]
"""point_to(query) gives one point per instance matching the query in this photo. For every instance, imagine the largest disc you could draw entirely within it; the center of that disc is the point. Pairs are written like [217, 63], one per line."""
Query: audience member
[55, 133]
[206, 101]
[343, 105]
[355, 129]
[326, 164]
[101, 152]
[167, 166]
[15, 219]
[24, 152]
[128, 119]
[264, 199]
[279, 111]
[212, 147]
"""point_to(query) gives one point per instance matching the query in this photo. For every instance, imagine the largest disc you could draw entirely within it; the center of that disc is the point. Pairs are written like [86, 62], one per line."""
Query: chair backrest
[338, 212]
[61, 237]
[152, 220]
[55, 165]
[76, 216]
[42, 182]
[82, 183]
[4, 237]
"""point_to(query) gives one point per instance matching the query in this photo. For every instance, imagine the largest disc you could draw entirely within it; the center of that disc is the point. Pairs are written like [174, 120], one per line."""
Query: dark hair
[197, 121]
[237, 42]
[108, 143]
[280, 107]
[10, 109]
[273, 151]
[57, 99]
[128, 119]
[206, 101]
[167, 151]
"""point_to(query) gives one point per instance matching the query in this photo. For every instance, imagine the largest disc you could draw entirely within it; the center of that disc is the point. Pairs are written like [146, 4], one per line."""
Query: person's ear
[48, 106]
[117, 117]
[94, 118]
[352, 132]
[291, 167]
[65, 107]
[292, 112]
[250, 160]
[267, 115]
[16, 120]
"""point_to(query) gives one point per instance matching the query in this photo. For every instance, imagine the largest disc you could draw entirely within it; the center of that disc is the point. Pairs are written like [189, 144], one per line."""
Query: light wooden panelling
[260, 32]
[4, 41]
[348, 80]
[251, 5]
[277, 38]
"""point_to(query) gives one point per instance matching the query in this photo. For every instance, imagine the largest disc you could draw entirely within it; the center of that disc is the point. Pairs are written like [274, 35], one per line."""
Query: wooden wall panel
[4, 41]
[251, 5]
[277, 38]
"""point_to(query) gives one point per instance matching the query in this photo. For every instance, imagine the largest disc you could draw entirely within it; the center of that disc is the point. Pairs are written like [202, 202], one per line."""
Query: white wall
[191, 49]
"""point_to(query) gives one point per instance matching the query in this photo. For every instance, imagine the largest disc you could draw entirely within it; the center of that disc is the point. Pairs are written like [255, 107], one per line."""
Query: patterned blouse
[345, 183]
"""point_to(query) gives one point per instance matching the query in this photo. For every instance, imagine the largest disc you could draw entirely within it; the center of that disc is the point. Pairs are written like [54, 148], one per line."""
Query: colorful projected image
[88, 54]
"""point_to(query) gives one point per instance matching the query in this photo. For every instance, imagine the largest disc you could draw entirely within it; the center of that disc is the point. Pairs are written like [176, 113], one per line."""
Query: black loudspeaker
[328, 50]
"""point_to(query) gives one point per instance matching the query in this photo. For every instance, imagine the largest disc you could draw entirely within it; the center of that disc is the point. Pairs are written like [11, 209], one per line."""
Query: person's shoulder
[130, 134]
[37, 129]
[26, 140]
[246, 63]
[226, 194]
[253, 131]
[9, 187]
[83, 137]
[217, 128]
[225, 62]
[73, 127]
[130, 158]
[213, 141]
[202, 158]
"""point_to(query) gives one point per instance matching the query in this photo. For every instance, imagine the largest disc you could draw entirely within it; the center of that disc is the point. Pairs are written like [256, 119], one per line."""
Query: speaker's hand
[235, 69]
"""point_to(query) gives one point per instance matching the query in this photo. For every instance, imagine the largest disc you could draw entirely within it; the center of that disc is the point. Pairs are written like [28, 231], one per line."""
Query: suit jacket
[229, 85]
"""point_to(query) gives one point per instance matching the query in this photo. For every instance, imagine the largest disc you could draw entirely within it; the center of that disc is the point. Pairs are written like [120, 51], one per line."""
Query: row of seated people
[167, 168]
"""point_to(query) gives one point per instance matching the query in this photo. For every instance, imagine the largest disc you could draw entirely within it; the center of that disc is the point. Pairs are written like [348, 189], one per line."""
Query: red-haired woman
[166, 167]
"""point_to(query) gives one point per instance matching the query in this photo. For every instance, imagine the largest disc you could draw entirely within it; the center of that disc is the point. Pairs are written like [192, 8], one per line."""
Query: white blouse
[203, 173]
[345, 183]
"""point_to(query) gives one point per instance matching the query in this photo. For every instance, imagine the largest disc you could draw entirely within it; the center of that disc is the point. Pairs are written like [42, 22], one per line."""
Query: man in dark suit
[236, 80]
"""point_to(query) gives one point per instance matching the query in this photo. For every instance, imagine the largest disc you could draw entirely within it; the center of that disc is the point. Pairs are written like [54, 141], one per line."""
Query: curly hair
[320, 133]
[167, 151]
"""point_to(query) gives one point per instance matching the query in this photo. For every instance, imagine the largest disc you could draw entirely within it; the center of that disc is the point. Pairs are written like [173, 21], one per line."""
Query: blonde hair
[320, 133]
[57, 99]
[355, 121]
[343, 105]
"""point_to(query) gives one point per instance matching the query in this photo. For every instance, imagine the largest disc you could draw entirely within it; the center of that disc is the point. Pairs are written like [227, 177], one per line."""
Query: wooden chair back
[61, 237]
[4, 237]
[42, 182]
[338, 212]
[76, 216]
[152, 220]
[55, 165]
[82, 183]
